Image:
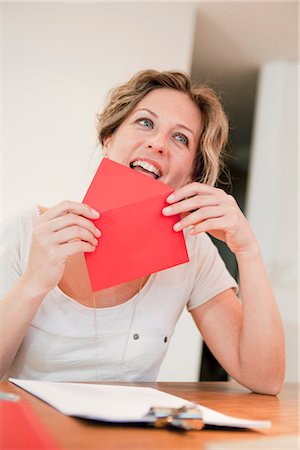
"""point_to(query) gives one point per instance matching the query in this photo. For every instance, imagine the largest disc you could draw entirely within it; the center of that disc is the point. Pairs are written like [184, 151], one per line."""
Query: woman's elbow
[269, 389]
[269, 385]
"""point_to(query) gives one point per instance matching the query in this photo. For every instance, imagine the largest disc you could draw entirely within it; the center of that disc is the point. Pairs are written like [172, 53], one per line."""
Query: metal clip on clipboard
[185, 418]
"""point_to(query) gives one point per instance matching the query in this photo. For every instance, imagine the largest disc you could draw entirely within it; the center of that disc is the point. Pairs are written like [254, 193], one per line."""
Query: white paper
[113, 403]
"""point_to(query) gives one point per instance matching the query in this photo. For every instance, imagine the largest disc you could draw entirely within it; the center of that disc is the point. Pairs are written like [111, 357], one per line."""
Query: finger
[190, 204]
[73, 219]
[214, 224]
[74, 232]
[67, 206]
[190, 190]
[72, 248]
[199, 216]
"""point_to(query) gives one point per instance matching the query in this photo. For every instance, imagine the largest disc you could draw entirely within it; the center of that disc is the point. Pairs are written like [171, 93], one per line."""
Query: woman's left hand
[209, 209]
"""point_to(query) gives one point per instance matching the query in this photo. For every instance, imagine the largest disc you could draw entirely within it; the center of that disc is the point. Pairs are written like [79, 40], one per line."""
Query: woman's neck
[75, 283]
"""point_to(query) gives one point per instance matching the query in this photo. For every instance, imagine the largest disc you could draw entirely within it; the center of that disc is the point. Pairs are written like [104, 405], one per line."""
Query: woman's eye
[145, 122]
[182, 139]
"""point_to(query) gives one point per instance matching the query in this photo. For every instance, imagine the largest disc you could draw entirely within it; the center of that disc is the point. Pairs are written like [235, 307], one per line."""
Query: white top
[67, 341]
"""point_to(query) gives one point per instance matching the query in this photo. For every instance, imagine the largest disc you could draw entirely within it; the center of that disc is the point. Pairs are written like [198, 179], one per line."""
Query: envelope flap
[115, 185]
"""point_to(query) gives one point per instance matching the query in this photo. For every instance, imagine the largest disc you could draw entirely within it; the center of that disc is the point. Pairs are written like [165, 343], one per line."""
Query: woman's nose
[155, 148]
[157, 145]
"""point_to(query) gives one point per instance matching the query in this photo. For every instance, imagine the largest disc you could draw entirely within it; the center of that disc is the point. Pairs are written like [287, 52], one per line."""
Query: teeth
[147, 166]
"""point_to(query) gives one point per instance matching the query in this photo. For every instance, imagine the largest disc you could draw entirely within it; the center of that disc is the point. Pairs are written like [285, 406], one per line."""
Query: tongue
[146, 172]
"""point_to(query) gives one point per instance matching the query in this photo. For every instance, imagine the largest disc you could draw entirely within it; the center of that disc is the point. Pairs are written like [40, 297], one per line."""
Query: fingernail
[170, 198]
[95, 213]
[97, 232]
[177, 226]
[167, 210]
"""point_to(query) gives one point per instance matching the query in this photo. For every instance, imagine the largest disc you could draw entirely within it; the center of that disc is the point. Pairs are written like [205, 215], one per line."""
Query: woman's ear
[107, 141]
[106, 144]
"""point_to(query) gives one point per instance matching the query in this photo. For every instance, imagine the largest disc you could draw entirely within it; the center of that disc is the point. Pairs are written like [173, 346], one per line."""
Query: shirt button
[166, 339]
[136, 336]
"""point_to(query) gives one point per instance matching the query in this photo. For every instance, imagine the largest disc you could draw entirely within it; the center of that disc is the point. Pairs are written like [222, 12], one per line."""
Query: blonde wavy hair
[122, 100]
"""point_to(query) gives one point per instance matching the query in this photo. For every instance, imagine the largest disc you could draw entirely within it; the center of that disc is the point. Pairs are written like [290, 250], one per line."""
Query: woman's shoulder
[21, 220]
[16, 231]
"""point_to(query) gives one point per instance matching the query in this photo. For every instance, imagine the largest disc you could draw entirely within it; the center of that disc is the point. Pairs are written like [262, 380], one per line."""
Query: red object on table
[21, 428]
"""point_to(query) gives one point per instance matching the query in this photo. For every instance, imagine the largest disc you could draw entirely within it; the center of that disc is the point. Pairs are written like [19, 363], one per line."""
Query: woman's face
[159, 137]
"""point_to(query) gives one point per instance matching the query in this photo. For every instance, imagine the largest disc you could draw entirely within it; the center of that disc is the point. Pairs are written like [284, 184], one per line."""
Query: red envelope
[22, 429]
[137, 239]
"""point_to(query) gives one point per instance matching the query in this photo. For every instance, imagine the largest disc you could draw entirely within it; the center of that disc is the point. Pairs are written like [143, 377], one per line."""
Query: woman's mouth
[147, 168]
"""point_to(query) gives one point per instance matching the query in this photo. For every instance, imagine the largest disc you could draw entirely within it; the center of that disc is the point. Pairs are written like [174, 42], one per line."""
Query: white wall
[59, 60]
[273, 192]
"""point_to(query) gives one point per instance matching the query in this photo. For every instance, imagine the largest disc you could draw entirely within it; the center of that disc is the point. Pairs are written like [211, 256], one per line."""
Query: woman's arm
[247, 338]
[61, 231]
[18, 308]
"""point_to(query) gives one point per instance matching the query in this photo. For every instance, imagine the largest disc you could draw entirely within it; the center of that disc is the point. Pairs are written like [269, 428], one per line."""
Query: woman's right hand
[61, 231]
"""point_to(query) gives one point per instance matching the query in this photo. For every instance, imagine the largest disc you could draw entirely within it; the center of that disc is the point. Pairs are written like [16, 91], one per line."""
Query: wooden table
[226, 397]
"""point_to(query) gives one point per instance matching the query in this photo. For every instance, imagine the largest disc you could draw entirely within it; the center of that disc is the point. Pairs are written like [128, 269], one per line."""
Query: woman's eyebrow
[155, 115]
[145, 109]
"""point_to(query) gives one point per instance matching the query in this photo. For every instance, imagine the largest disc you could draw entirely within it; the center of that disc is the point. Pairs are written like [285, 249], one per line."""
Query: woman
[55, 328]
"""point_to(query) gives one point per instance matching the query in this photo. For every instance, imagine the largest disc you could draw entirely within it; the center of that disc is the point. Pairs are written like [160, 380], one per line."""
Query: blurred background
[60, 59]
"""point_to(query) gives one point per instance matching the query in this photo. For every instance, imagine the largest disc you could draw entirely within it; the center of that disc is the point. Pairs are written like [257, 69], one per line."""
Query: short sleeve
[15, 239]
[211, 274]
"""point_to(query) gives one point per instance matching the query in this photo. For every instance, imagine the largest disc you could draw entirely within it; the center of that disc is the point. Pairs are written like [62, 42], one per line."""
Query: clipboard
[131, 405]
